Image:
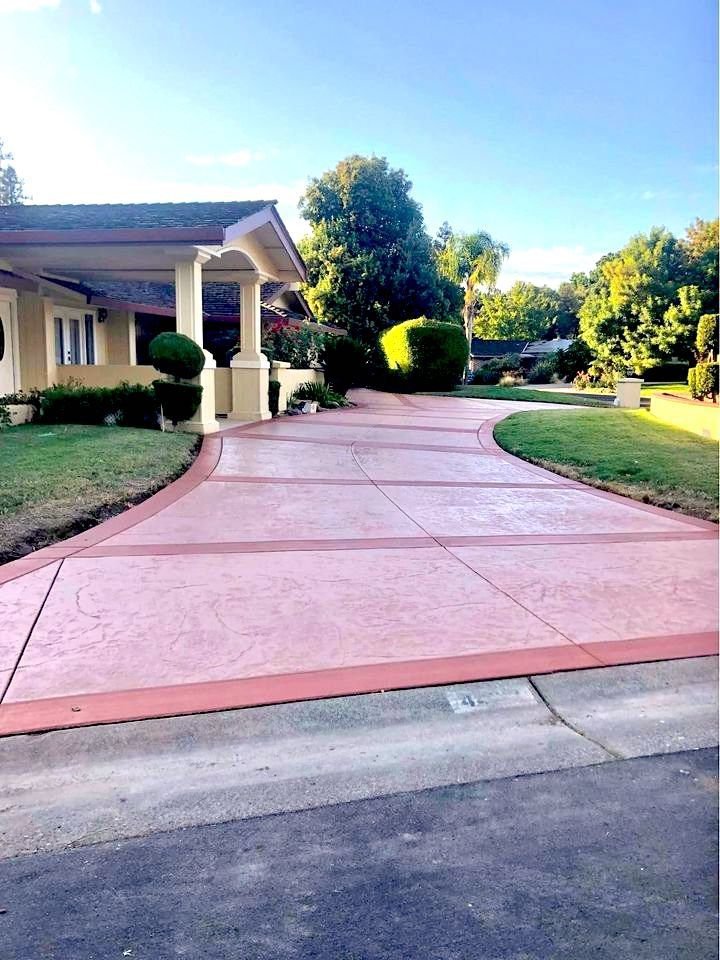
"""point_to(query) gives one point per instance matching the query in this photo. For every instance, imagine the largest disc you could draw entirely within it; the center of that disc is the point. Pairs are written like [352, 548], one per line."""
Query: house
[78, 282]
[530, 351]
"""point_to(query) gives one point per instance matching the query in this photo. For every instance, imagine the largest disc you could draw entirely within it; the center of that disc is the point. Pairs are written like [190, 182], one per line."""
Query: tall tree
[473, 262]
[524, 312]
[370, 262]
[640, 310]
[700, 249]
[12, 190]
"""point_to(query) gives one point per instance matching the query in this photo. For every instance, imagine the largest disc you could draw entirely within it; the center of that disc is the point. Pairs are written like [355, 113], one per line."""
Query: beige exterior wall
[36, 341]
[223, 390]
[290, 379]
[119, 330]
[696, 416]
[108, 375]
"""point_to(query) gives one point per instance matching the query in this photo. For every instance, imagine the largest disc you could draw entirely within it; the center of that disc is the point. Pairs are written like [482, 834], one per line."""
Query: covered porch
[59, 326]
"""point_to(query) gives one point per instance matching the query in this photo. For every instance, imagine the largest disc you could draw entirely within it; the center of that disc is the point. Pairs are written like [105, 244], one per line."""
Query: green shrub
[178, 400]
[127, 405]
[569, 363]
[706, 341]
[177, 355]
[543, 371]
[431, 354]
[274, 397]
[703, 380]
[4, 416]
[320, 393]
[487, 375]
[346, 363]
[674, 371]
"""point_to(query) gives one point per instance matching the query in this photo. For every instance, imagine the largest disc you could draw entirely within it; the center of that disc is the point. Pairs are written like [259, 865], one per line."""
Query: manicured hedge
[128, 405]
[430, 354]
[706, 341]
[703, 380]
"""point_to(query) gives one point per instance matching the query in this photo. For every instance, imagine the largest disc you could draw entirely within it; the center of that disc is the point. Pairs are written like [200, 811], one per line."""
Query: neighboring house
[77, 281]
[529, 350]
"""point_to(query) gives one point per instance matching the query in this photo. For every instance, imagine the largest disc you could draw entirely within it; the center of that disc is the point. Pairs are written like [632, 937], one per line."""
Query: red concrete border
[441, 448]
[253, 546]
[140, 704]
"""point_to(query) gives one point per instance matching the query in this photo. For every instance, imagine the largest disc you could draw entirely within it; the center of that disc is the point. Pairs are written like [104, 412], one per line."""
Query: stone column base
[250, 378]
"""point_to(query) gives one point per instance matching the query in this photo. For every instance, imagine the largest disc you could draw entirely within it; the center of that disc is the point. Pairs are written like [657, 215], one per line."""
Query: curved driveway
[390, 545]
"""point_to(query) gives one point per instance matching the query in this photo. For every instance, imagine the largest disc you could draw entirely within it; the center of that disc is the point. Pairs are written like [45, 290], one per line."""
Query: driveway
[387, 546]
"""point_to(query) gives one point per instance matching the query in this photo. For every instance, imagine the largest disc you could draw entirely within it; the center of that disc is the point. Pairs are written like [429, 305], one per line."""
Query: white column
[250, 368]
[189, 320]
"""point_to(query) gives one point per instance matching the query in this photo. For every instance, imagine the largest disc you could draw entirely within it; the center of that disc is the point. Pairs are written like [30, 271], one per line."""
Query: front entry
[7, 348]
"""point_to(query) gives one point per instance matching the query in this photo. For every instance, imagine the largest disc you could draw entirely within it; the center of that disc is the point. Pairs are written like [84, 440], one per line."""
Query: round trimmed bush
[176, 355]
[431, 354]
[179, 401]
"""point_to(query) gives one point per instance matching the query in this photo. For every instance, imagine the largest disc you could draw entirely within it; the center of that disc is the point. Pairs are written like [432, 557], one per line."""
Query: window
[89, 338]
[74, 337]
[59, 341]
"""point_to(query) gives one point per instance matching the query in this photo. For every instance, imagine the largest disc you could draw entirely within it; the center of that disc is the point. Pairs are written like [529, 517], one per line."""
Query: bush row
[703, 381]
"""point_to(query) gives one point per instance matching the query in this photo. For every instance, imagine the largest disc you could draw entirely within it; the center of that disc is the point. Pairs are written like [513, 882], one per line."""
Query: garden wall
[223, 390]
[695, 416]
[106, 375]
[290, 379]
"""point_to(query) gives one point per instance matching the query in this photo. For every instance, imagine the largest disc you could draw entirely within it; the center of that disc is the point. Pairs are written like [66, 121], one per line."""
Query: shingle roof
[496, 348]
[102, 216]
[544, 347]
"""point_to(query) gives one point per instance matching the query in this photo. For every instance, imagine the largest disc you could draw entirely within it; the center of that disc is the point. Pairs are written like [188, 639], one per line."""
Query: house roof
[496, 348]
[126, 216]
[544, 347]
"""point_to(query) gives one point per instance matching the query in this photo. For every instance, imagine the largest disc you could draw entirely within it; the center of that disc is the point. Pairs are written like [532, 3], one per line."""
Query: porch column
[189, 320]
[250, 368]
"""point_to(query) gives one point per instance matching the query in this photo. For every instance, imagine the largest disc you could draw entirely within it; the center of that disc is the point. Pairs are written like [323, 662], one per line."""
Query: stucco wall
[695, 416]
[106, 376]
[223, 390]
[35, 341]
[119, 328]
[290, 379]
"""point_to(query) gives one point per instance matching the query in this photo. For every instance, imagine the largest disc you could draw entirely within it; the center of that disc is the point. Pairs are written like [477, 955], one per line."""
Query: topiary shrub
[432, 355]
[703, 381]
[178, 400]
[346, 363]
[181, 358]
[274, 397]
[177, 355]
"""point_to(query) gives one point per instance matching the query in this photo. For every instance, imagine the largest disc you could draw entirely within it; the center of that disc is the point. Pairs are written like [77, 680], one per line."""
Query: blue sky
[561, 126]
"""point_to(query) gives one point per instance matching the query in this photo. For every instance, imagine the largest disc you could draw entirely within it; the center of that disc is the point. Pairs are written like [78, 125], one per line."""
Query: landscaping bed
[61, 479]
[626, 451]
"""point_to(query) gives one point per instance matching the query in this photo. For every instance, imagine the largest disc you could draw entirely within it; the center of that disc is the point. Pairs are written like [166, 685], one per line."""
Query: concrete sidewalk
[392, 545]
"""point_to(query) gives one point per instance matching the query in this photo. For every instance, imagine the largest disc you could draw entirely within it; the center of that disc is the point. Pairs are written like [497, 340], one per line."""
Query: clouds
[237, 158]
[546, 266]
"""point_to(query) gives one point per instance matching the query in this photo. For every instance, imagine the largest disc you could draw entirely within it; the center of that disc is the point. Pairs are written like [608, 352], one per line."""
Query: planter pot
[20, 413]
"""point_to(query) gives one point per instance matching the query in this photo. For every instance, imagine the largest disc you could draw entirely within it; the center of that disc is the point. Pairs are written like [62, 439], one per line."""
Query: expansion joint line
[615, 754]
[21, 654]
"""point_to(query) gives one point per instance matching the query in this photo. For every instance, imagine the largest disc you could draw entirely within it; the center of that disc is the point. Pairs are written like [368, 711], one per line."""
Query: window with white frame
[74, 336]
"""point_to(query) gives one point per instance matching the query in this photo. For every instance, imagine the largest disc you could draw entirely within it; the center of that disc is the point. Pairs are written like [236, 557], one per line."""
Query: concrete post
[250, 368]
[189, 320]
[628, 392]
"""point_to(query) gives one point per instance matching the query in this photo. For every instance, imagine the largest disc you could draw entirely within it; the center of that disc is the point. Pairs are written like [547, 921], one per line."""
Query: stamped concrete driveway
[386, 546]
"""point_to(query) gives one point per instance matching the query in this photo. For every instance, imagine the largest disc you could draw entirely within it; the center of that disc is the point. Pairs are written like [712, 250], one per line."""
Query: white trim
[63, 313]
[9, 295]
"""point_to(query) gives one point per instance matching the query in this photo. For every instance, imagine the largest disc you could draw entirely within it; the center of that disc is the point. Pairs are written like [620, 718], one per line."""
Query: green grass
[520, 393]
[58, 480]
[626, 451]
[650, 388]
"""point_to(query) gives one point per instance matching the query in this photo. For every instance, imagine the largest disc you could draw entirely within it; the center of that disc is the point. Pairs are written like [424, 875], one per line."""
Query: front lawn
[59, 480]
[626, 451]
[520, 393]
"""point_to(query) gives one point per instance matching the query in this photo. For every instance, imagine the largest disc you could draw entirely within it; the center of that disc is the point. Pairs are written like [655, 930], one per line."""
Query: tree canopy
[524, 312]
[12, 189]
[370, 262]
[644, 301]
